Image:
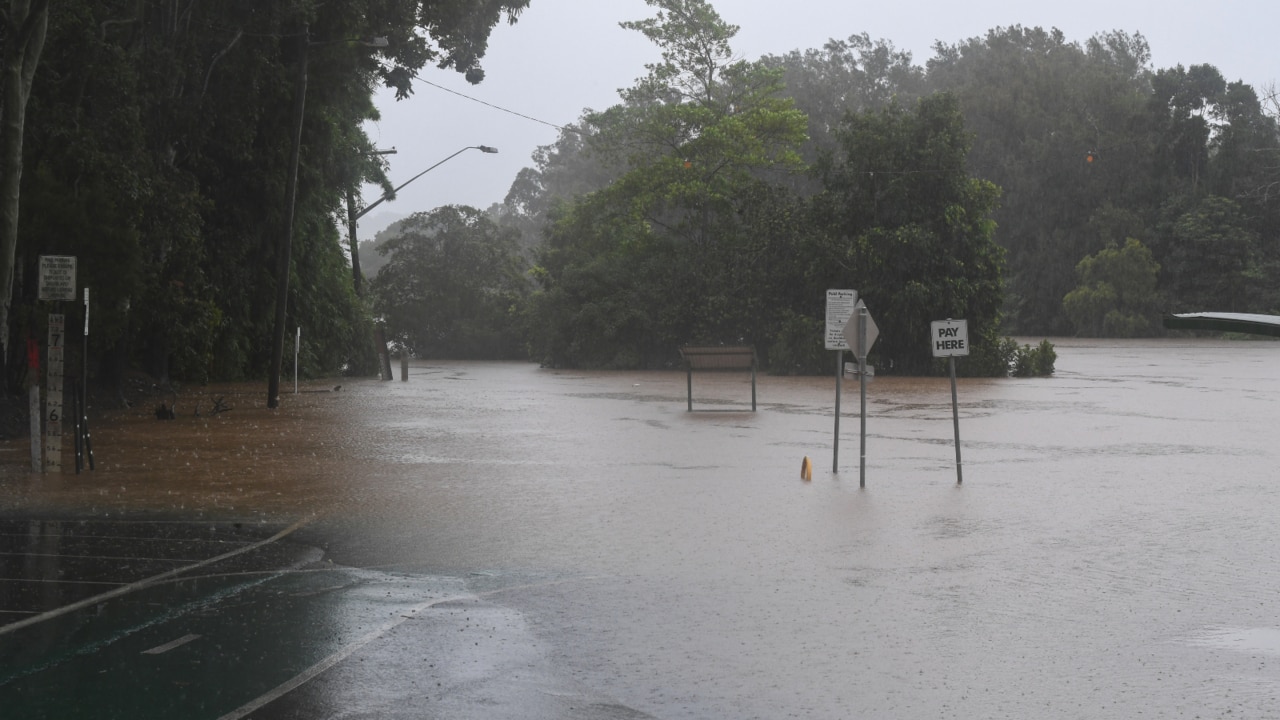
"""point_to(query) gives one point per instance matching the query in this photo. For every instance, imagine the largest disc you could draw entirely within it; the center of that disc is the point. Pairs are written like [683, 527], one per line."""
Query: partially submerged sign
[57, 277]
[949, 338]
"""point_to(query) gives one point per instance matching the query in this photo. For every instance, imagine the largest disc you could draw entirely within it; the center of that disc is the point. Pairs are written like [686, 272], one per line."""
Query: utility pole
[284, 255]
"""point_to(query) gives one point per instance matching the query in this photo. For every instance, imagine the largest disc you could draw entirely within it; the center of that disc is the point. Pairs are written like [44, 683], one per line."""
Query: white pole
[297, 346]
[84, 355]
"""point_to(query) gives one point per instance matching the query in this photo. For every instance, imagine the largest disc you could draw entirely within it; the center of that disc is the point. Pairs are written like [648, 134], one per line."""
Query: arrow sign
[853, 331]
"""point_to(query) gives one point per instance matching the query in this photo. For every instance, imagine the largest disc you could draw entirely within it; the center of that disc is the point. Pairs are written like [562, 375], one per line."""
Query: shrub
[1033, 362]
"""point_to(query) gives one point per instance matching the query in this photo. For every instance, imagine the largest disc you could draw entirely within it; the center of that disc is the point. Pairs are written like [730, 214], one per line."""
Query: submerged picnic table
[719, 358]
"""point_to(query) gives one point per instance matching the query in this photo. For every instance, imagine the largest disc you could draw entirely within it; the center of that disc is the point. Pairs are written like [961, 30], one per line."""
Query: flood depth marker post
[950, 339]
[840, 306]
[57, 284]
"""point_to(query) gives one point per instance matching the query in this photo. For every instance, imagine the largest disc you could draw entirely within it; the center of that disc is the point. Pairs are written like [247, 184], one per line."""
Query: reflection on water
[1265, 641]
[1113, 517]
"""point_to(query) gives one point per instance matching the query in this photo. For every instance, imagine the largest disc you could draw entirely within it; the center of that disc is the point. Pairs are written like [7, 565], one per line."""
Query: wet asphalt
[179, 619]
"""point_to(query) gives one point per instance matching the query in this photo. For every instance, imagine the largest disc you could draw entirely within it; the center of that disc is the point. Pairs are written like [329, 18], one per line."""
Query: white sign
[840, 306]
[57, 277]
[950, 338]
[853, 331]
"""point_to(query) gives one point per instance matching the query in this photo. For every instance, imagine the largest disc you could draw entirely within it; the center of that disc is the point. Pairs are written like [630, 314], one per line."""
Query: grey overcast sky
[564, 56]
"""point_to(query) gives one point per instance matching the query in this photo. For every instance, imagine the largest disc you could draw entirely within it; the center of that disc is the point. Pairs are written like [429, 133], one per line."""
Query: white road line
[96, 557]
[147, 582]
[162, 649]
[298, 680]
[58, 581]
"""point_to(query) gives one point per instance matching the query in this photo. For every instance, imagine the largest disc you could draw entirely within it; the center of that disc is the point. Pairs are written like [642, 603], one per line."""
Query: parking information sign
[57, 277]
[950, 338]
[840, 305]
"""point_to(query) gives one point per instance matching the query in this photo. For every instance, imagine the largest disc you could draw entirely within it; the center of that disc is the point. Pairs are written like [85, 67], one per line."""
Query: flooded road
[1113, 550]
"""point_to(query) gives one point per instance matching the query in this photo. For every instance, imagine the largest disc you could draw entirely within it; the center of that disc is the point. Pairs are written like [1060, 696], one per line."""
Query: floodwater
[1113, 552]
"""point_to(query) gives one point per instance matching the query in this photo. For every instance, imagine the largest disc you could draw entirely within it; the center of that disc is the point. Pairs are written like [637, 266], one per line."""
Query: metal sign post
[840, 306]
[950, 339]
[862, 391]
[84, 444]
[861, 333]
[84, 353]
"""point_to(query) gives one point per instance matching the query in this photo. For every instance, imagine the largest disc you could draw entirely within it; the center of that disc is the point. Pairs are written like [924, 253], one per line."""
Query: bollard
[404, 366]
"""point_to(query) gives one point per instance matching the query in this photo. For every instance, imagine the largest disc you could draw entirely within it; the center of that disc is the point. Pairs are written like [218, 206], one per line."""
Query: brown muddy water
[1114, 551]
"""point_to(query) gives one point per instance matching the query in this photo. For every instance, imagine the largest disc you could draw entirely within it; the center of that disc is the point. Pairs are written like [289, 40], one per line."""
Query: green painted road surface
[243, 622]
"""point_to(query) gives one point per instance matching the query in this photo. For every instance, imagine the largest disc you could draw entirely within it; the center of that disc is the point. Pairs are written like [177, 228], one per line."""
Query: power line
[495, 107]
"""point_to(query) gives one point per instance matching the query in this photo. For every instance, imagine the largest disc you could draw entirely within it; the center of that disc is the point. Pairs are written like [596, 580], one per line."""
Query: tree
[854, 75]
[452, 285]
[667, 254]
[563, 171]
[908, 227]
[1058, 127]
[1117, 293]
[1210, 256]
[24, 24]
[156, 152]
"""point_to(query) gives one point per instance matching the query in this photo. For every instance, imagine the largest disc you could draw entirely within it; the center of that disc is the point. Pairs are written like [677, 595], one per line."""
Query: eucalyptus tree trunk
[25, 23]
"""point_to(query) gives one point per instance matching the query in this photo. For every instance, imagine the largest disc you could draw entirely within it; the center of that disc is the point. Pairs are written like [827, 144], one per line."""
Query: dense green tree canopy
[1117, 293]
[157, 152]
[668, 239]
[911, 229]
[706, 239]
[1077, 134]
[452, 285]
[715, 202]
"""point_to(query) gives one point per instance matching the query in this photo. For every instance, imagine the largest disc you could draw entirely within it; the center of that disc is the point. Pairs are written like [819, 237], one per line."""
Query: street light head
[486, 149]
[378, 42]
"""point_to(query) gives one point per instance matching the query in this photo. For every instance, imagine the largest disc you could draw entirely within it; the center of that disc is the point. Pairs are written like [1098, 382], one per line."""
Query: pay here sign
[950, 338]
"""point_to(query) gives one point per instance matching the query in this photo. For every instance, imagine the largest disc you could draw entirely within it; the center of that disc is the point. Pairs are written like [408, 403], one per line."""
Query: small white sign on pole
[950, 338]
[840, 306]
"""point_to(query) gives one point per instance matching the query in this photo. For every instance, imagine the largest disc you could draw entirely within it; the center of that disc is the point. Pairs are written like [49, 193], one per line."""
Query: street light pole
[380, 341]
[357, 276]
[401, 186]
